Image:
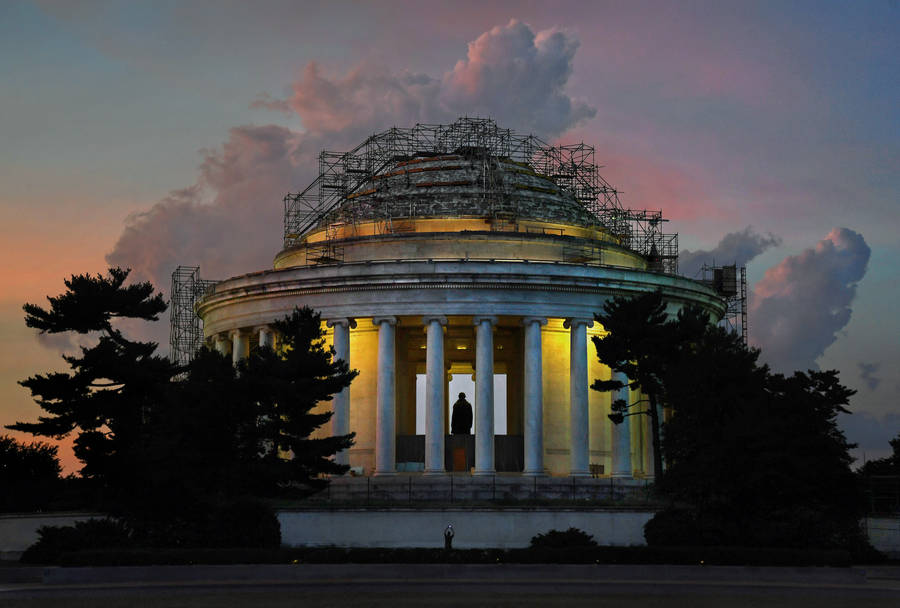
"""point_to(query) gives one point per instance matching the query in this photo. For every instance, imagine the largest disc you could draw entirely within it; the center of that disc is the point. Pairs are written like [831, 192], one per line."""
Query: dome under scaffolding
[468, 169]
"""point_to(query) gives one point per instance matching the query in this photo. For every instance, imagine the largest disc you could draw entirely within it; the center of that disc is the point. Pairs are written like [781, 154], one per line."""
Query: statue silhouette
[461, 421]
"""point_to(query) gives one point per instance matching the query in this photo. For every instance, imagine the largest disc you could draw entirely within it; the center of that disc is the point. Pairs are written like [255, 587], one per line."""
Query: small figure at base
[448, 537]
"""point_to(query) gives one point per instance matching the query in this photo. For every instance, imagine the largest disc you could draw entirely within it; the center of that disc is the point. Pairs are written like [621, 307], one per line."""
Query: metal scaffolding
[344, 176]
[185, 327]
[730, 282]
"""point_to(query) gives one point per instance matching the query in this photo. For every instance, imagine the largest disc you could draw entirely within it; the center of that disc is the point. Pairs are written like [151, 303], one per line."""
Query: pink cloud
[519, 75]
[800, 304]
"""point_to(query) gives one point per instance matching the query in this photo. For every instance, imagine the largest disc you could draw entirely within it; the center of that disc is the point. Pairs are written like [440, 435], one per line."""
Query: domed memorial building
[460, 256]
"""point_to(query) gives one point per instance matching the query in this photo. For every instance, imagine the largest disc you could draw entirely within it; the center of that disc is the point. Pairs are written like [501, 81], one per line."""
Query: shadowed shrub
[53, 541]
[554, 539]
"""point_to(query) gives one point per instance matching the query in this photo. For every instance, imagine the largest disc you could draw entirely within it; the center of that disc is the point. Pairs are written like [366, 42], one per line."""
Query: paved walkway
[400, 585]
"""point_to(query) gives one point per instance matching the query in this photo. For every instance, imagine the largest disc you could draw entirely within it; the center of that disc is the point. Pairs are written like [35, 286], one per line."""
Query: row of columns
[484, 397]
[237, 342]
[385, 426]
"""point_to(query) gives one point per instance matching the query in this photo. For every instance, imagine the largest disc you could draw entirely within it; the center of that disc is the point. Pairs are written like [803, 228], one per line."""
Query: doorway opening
[463, 383]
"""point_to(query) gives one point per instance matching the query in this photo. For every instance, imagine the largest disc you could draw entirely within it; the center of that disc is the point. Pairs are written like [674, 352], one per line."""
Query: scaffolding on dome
[185, 327]
[730, 282]
[342, 176]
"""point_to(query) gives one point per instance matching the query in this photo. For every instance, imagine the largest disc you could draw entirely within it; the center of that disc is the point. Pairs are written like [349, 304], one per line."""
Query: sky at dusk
[160, 133]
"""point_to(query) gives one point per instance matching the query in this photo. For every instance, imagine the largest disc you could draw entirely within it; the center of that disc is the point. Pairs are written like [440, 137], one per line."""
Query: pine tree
[638, 344]
[287, 386]
[753, 458]
[112, 385]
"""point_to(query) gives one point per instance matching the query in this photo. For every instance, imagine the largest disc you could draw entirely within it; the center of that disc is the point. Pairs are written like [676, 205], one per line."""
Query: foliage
[677, 527]
[226, 434]
[200, 445]
[243, 522]
[884, 466]
[54, 541]
[639, 345]
[555, 539]
[753, 458]
[111, 385]
[29, 474]
[175, 450]
[287, 386]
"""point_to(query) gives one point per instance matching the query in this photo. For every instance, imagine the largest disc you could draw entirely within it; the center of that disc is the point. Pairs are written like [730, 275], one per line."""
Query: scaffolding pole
[185, 326]
[730, 282]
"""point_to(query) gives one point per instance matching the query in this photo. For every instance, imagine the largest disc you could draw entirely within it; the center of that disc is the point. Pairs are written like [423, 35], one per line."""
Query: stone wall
[474, 528]
[884, 534]
[18, 531]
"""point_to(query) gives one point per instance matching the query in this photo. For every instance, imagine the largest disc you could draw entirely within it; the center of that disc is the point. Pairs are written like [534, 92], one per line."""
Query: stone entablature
[439, 287]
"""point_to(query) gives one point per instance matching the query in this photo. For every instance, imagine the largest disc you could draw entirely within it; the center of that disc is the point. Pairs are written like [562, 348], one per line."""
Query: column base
[534, 473]
[384, 474]
[436, 473]
[580, 474]
[622, 476]
[483, 473]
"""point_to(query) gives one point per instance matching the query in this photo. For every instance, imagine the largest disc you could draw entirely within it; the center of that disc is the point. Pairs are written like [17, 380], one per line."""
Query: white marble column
[266, 336]
[534, 397]
[660, 418]
[385, 408]
[647, 430]
[240, 345]
[434, 394]
[484, 394]
[223, 345]
[340, 419]
[621, 434]
[579, 416]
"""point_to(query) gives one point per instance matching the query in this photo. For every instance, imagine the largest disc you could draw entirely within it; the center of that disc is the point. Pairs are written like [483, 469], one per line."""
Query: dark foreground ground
[399, 586]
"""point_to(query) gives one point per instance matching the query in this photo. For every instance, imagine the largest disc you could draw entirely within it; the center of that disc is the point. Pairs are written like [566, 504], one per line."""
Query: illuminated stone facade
[447, 285]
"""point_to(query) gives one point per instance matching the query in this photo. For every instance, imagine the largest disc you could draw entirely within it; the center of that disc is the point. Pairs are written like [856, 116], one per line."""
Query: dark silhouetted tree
[112, 385]
[638, 344]
[287, 386]
[889, 465]
[170, 443]
[752, 458]
[29, 474]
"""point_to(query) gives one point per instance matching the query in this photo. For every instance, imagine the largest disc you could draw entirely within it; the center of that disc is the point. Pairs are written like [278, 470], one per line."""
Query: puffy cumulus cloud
[518, 76]
[867, 373]
[799, 305]
[734, 248]
[368, 98]
[510, 73]
[229, 221]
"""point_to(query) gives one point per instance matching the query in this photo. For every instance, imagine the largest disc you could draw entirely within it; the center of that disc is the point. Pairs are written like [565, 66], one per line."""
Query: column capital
[342, 321]
[479, 319]
[260, 328]
[380, 320]
[575, 321]
[530, 320]
[426, 319]
[222, 337]
[240, 331]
